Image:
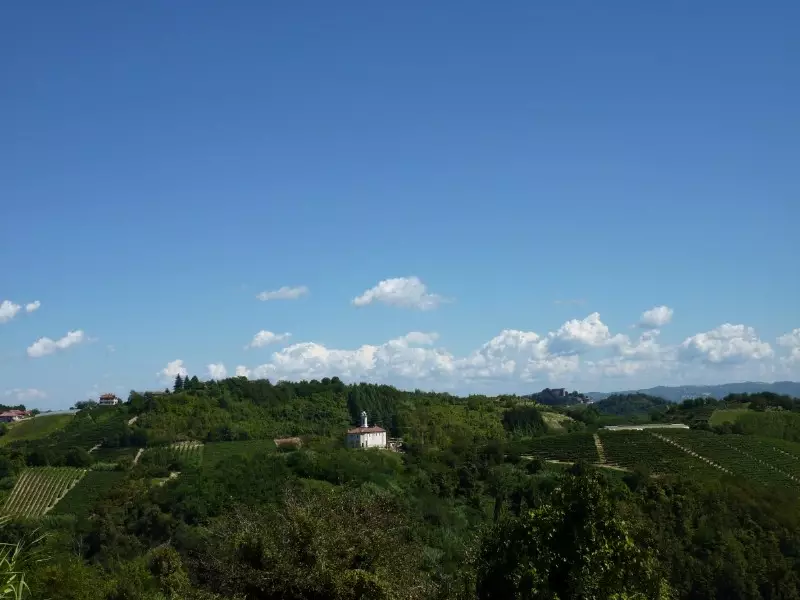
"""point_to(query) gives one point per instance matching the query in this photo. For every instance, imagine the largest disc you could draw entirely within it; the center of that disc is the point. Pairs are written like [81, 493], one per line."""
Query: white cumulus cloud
[264, 338]
[421, 339]
[581, 354]
[791, 339]
[8, 310]
[217, 371]
[580, 335]
[172, 370]
[725, 344]
[658, 316]
[44, 345]
[32, 306]
[284, 293]
[25, 394]
[402, 292]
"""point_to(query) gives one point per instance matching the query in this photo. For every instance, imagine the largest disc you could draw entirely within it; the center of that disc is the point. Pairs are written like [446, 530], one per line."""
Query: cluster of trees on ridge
[457, 515]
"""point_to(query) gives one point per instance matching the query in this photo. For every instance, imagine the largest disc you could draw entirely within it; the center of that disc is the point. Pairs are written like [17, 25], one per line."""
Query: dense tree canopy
[462, 512]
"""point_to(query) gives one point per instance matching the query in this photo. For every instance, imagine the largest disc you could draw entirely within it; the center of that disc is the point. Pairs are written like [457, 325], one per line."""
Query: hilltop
[682, 392]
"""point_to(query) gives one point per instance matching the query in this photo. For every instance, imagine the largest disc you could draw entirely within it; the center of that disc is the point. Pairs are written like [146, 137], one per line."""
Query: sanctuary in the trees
[365, 436]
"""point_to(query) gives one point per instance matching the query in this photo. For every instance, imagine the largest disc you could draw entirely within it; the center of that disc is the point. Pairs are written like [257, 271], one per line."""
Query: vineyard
[766, 461]
[84, 430]
[80, 499]
[190, 451]
[216, 452]
[112, 455]
[755, 463]
[38, 489]
[567, 447]
[766, 452]
[631, 449]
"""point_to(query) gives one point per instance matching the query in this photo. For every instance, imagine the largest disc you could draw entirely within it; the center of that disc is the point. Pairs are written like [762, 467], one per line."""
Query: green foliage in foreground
[470, 509]
[574, 546]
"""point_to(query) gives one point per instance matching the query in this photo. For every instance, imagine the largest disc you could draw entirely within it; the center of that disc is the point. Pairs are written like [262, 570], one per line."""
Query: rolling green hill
[35, 428]
[212, 509]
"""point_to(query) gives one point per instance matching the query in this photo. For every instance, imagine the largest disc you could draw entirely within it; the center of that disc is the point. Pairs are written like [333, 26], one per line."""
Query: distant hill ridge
[680, 392]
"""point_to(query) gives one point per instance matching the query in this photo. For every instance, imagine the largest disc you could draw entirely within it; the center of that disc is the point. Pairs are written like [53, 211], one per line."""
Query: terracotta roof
[373, 429]
[107, 397]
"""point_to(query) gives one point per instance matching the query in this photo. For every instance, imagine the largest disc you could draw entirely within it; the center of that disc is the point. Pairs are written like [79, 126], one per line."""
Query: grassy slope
[554, 421]
[726, 415]
[35, 428]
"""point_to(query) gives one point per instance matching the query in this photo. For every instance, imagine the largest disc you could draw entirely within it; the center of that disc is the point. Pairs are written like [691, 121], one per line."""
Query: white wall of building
[366, 440]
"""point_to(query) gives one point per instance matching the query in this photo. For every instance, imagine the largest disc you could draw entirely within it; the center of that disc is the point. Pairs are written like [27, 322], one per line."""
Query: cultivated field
[631, 449]
[679, 451]
[34, 428]
[734, 453]
[39, 488]
[218, 451]
[111, 455]
[189, 451]
[80, 499]
[566, 447]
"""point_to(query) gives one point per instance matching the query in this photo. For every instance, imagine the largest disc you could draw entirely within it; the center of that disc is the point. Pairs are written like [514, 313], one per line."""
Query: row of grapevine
[80, 499]
[765, 453]
[215, 452]
[640, 448]
[567, 447]
[738, 462]
[104, 454]
[189, 451]
[38, 489]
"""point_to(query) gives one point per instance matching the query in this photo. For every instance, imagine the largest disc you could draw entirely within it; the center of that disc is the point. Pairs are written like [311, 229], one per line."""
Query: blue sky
[526, 166]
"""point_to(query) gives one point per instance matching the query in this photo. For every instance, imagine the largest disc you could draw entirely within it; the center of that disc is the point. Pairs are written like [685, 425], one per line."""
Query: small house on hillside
[11, 416]
[365, 436]
[109, 400]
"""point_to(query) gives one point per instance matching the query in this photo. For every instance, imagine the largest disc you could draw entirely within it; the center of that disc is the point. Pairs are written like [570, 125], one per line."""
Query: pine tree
[178, 384]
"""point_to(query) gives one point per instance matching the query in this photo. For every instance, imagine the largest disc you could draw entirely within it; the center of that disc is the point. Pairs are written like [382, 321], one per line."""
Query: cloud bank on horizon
[579, 352]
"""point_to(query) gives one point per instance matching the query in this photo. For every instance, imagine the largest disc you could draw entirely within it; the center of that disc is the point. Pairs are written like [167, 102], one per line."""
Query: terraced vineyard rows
[38, 489]
[640, 448]
[739, 461]
[80, 499]
[567, 447]
[189, 451]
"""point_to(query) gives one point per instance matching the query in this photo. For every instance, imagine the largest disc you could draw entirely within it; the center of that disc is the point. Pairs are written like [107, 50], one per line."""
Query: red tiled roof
[14, 413]
[373, 429]
[107, 397]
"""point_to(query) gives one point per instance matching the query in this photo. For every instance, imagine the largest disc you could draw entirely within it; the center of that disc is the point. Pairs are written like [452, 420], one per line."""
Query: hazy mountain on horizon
[679, 392]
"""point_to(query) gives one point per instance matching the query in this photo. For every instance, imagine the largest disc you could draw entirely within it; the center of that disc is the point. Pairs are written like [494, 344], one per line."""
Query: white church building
[366, 436]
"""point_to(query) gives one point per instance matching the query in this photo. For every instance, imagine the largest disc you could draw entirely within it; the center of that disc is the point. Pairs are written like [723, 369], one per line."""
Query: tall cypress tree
[178, 384]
